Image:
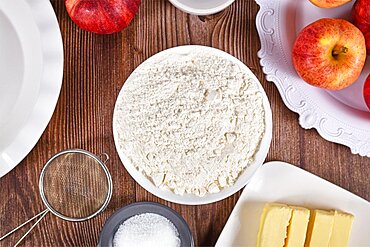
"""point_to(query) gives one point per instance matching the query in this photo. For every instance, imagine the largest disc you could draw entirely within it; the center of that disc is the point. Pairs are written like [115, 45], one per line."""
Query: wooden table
[95, 69]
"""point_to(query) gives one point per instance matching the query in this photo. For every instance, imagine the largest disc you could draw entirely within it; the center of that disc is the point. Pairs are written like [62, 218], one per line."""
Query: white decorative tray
[340, 116]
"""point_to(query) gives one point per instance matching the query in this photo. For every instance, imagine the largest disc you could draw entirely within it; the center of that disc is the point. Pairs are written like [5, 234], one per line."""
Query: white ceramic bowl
[201, 7]
[190, 199]
[31, 73]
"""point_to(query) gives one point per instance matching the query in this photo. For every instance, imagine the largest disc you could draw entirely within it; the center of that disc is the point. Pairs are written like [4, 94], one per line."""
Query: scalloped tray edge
[309, 116]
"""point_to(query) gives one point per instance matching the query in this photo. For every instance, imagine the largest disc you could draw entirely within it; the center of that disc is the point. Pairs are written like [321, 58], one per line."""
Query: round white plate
[244, 177]
[201, 7]
[340, 116]
[31, 71]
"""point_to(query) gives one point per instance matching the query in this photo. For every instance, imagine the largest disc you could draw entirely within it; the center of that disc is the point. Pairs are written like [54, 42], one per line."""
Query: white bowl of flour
[192, 124]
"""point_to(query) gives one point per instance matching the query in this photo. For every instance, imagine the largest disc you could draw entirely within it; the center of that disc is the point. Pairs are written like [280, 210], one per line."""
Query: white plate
[31, 71]
[281, 182]
[203, 7]
[341, 116]
[244, 177]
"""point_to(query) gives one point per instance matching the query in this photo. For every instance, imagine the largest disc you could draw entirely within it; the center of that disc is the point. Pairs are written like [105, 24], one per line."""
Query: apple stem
[336, 51]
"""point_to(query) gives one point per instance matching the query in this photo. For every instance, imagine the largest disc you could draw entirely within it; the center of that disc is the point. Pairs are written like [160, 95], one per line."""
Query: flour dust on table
[191, 123]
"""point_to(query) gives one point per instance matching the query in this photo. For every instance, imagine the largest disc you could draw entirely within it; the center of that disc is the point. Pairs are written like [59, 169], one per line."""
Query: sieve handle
[41, 215]
[105, 156]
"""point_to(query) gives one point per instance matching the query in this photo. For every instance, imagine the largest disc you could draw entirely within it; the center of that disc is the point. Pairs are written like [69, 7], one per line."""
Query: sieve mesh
[75, 185]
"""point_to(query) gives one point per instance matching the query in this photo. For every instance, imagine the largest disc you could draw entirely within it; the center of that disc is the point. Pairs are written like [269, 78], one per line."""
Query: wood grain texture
[96, 67]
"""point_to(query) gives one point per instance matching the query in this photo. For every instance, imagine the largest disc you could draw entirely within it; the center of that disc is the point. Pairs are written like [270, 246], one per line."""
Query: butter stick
[273, 226]
[297, 227]
[319, 228]
[341, 229]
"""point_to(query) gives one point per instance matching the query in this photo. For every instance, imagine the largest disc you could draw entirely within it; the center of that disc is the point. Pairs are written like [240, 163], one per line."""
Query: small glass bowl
[112, 224]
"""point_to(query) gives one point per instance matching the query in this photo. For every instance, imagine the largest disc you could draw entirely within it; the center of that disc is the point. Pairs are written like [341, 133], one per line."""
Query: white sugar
[147, 229]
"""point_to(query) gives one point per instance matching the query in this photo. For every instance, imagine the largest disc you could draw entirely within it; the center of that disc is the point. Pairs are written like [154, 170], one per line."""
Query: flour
[191, 123]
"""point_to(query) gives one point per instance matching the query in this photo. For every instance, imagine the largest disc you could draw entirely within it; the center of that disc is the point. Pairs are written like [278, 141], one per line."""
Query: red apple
[367, 92]
[361, 18]
[329, 53]
[329, 3]
[102, 16]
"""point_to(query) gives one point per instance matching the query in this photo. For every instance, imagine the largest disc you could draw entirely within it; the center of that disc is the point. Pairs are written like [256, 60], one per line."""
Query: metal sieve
[75, 185]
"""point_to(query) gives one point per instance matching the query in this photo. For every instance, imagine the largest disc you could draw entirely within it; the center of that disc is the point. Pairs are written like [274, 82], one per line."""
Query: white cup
[201, 7]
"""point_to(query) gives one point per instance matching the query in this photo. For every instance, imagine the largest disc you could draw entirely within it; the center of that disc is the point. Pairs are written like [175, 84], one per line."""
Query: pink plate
[339, 116]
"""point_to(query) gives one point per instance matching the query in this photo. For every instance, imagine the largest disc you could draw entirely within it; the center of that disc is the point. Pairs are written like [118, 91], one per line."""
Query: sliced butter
[319, 228]
[341, 229]
[273, 226]
[297, 227]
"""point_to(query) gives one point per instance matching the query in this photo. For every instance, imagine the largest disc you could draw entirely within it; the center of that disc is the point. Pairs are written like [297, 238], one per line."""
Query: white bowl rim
[247, 174]
[195, 11]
